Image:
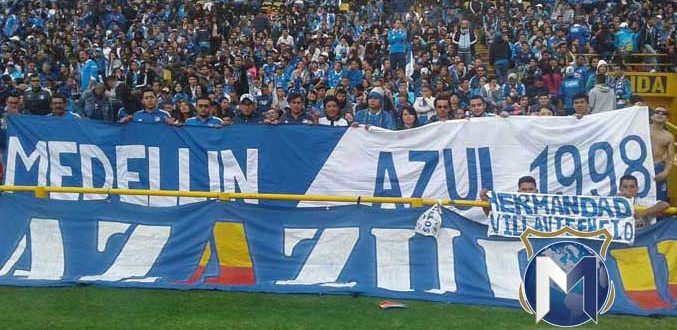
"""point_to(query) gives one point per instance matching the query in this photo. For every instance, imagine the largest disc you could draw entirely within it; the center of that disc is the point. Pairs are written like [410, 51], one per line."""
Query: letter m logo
[548, 271]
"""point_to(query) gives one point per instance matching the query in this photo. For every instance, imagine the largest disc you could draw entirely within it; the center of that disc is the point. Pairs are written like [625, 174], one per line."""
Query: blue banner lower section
[340, 250]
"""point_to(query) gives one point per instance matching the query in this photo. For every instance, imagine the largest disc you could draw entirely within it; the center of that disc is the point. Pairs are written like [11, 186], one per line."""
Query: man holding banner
[628, 187]
[525, 184]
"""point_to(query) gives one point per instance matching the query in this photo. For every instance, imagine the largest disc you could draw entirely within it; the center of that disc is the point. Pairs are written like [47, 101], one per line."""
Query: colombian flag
[637, 273]
[232, 253]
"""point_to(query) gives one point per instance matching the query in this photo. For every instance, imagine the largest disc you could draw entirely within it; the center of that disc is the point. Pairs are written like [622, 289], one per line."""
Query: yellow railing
[41, 192]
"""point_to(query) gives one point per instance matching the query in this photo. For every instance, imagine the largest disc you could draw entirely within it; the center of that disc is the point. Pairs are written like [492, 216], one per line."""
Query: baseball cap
[246, 98]
[376, 93]
[512, 76]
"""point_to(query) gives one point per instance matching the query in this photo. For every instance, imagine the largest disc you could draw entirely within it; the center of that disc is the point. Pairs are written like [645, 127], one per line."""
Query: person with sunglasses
[662, 146]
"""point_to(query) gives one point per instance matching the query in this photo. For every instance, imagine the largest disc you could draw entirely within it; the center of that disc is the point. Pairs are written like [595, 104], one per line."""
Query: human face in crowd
[296, 106]
[247, 107]
[58, 106]
[332, 110]
[442, 108]
[660, 115]
[341, 97]
[628, 188]
[99, 90]
[527, 188]
[192, 81]
[149, 101]
[581, 106]
[202, 108]
[426, 92]
[543, 100]
[408, 118]
[35, 83]
[12, 103]
[459, 114]
[476, 107]
[374, 104]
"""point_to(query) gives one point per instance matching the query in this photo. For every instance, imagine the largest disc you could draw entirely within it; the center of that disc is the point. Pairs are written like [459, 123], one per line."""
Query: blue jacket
[88, 71]
[334, 79]
[580, 33]
[521, 91]
[622, 88]
[626, 40]
[568, 89]
[355, 77]
[381, 119]
[397, 40]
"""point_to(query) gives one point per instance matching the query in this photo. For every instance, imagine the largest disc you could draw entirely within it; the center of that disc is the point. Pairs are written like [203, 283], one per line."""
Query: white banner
[456, 159]
[512, 213]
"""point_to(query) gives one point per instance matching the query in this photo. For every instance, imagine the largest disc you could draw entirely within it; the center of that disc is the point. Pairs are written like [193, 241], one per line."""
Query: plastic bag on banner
[430, 221]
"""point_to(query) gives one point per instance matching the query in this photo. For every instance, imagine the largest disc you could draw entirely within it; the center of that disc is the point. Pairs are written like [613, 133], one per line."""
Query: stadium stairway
[269, 6]
[482, 51]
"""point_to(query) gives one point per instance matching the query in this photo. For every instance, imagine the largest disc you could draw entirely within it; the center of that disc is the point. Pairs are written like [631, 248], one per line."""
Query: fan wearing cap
[625, 39]
[374, 114]
[204, 117]
[246, 111]
[513, 83]
[602, 69]
[569, 87]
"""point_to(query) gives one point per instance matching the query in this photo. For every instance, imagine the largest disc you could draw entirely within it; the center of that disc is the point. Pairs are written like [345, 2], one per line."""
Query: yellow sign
[652, 84]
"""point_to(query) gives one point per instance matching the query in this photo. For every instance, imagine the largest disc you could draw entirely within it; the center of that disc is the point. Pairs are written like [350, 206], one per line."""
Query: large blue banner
[448, 160]
[342, 250]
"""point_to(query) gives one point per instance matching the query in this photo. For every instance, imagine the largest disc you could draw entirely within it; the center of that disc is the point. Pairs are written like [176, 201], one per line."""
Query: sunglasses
[664, 113]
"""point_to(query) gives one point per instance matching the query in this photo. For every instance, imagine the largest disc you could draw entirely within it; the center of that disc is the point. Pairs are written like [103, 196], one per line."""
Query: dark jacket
[499, 50]
[473, 40]
[36, 102]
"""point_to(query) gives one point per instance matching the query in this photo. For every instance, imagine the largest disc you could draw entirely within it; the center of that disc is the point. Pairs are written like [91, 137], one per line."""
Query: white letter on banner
[122, 154]
[89, 152]
[392, 258]
[293, 236]
[47, 258]
[232, 173]
[503, 267]
[547, 270]
[14, 150]
[137, 256]
[184, 177]
[57, 171]
[328, 258]
[445, 260]
[213, 167]
[154, 180]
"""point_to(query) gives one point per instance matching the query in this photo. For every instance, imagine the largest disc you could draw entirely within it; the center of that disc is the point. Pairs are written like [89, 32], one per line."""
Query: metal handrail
[42, 192]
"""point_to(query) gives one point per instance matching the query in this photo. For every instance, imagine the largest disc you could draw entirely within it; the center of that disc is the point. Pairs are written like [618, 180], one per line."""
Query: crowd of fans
[394, 64]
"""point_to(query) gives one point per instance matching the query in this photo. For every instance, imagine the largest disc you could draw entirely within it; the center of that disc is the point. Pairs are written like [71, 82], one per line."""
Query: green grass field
[105, 308]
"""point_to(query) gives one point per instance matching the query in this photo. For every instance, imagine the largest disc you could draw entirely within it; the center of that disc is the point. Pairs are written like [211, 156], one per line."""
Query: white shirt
[425, 106]
[340, 122]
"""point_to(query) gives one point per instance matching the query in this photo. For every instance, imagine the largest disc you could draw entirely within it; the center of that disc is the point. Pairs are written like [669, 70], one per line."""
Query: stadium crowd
[380, 63]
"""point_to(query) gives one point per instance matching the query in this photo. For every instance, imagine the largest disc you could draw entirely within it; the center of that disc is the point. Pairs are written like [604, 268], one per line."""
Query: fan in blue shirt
[58, 105]
[203, 117]
[374, 115]
[150, 112]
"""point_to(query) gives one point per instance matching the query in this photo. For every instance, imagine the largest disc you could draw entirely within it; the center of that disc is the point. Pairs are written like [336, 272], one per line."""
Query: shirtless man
[662, 146]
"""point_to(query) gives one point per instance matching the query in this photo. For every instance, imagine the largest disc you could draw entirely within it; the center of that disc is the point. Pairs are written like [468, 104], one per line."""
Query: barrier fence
[42, 192]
